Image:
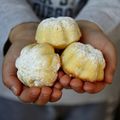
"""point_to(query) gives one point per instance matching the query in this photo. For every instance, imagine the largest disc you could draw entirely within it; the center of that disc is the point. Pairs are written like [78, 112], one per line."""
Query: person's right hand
[21, 36]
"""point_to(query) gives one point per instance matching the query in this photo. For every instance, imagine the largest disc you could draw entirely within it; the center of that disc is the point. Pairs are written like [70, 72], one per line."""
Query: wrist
[25, 31]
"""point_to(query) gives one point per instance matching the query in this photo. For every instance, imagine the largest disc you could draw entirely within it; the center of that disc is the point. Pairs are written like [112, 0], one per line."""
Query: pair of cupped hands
[24, 34]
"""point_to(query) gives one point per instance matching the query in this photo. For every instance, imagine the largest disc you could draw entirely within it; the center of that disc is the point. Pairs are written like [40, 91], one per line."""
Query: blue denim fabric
[12, 110]
[84, 112]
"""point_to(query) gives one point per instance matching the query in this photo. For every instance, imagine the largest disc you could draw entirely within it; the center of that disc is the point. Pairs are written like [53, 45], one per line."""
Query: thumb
[9, 73]
[109, 52]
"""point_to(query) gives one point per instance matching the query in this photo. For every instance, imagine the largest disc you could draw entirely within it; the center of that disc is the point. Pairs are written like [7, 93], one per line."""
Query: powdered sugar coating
[59, 32]
[38, 65]
[89, 52]
[66, 21]
[84, 62]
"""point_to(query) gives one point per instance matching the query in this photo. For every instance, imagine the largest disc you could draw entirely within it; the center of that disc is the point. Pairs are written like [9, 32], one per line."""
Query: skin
[21, 36]
[92, 34]
[24, 34]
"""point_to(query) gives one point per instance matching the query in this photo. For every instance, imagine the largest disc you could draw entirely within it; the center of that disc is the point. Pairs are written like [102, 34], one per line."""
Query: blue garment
[13, 110]
[51, 8]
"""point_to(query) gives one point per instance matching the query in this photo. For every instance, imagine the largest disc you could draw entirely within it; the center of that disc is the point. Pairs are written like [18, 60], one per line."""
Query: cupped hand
[36, 95]
[92, 34]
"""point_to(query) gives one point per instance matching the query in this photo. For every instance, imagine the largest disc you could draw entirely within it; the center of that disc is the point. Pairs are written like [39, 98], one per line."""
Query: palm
[9, 67]
[34, 94]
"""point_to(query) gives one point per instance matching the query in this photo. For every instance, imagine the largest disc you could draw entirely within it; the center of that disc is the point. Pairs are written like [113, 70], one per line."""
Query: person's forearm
[24, 31]
[105, 13]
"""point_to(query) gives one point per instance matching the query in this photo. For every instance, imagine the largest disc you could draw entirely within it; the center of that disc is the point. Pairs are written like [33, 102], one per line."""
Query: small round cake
[83, 62]
[38, 65]
[59, 32]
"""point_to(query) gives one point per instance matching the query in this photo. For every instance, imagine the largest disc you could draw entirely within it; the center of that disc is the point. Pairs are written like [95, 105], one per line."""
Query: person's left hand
[92, 34]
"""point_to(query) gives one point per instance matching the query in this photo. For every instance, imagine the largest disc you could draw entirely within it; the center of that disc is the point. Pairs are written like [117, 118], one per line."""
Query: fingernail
[109, 79]
[14, 90]
[86, 87]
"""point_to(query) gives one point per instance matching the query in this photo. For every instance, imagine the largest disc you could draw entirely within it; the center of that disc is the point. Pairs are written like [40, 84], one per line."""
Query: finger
[77, 85]
[29, 95]
[56, 95]
[58, 86]
[44, 96]
[111, 63]
[10, 79]
[14, 85]
[60, 74]
[65, 81]
[9, 73]
[94, 87]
